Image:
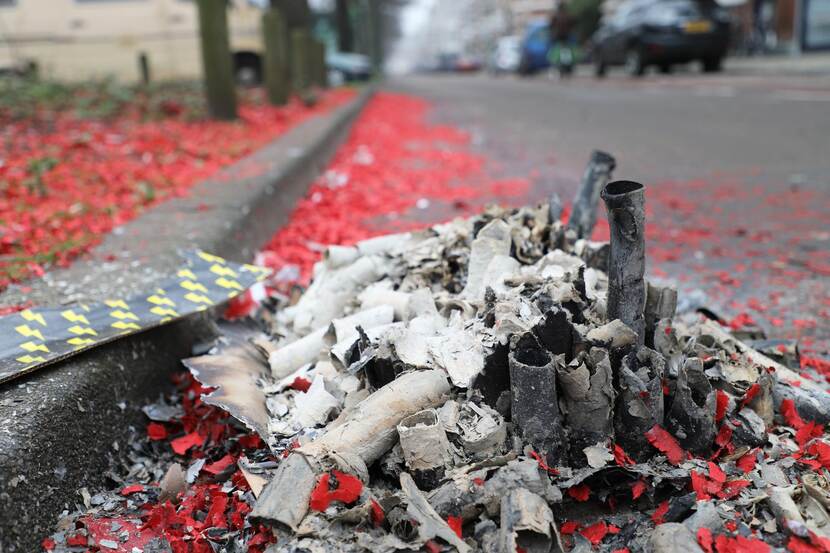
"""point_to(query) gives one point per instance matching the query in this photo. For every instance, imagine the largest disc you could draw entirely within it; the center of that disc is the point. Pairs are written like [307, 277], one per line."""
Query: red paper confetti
[347, 491]
[241, 306]
[156, 431]
[112, 529]
[740, 544]
[666, 444]
[181, 445]
[705, 539]
[300, 384]
[220, 465]
[376, 513]
[580, 493]
[542, 464]
[750, 394]
[71, 181]
[790, 414]
[393, 160]
[659, 514]
[77, 540]
[805, 430]
[747, 461]
[134, 488]
[715, 484]
[638, 488]
[722, 404]
[455, 524]
[621, 457]
[812, 543]
[595, 533]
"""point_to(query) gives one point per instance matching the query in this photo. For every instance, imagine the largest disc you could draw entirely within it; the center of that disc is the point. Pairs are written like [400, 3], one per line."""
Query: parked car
[467, 64]
[662, 33]
[535, 47]
[347, 66]
[506, 55]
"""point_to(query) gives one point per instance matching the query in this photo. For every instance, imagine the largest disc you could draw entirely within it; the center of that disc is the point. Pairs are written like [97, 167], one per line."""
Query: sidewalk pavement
[61, 426]
[812, 63]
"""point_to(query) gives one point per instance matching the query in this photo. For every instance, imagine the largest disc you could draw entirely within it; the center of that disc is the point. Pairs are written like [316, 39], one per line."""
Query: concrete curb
[60, 427]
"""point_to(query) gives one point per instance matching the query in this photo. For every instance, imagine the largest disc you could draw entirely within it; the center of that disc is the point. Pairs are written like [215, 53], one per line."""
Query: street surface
[737, 166]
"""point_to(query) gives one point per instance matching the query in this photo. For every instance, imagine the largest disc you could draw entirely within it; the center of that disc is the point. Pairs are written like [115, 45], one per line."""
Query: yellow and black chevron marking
[39, 336]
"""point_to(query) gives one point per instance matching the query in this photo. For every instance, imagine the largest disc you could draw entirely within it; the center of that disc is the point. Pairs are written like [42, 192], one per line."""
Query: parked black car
[662, 32]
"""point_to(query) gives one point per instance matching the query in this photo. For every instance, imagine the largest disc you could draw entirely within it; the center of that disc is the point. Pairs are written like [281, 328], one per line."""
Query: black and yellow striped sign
[35, 337]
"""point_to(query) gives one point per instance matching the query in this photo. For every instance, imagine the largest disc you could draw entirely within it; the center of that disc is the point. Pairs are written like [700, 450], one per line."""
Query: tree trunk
[318, 55]
[345, 34]
[300, 61]
[216, 59]
[275, 56]
[296, 12]
[376, 36]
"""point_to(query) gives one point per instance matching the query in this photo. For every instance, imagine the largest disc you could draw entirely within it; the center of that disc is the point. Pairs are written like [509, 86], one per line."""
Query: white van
[74, 40]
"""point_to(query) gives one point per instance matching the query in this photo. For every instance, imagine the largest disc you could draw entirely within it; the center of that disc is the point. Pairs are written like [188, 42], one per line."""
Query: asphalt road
[661, 127]
[738, 167]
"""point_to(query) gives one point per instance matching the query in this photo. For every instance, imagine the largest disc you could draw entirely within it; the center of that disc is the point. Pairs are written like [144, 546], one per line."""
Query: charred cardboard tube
[492, 240]
[289, 358]
[482, 430]
[460, 496]
[366, 433]
[374, 296]
[596, 176]
[330, 292]
[526, 523]
[370, 430]
[691, 417]
[339, 256]
[625, 202]
[383, 245]
[587, 403]
[284, 500]
[346, 328]
[426, 449]
[661, 303]
[534, 407]
[555, 332]
[430, 523]
[639, 403]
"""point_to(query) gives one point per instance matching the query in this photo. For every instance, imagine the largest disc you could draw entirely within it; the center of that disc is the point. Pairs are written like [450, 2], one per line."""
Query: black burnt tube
[639, 404]
[534, 405]
[625, 201]
[597, 174]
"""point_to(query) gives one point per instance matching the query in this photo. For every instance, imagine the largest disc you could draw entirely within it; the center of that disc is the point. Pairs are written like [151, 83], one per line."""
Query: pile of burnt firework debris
[503, 384]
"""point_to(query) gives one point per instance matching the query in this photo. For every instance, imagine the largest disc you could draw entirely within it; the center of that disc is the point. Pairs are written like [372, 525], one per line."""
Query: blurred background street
[265, 131]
